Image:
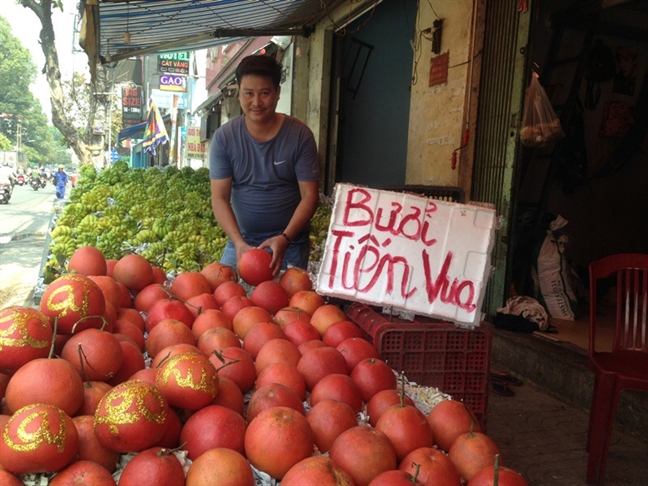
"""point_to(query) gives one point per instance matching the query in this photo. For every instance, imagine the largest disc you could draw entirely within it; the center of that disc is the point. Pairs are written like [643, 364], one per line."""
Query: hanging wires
[420, 34]
[465, 135]
[430, 4]
[350, 18]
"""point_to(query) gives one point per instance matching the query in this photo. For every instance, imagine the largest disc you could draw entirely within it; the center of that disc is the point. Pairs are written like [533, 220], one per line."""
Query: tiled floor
[544, 440]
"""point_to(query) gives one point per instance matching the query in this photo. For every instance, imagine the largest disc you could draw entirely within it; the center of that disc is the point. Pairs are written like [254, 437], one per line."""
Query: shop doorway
[596, 176]
[372, 70]
[592, 59]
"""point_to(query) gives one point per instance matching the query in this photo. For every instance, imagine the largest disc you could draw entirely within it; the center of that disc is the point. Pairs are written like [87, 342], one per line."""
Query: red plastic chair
[626, 366]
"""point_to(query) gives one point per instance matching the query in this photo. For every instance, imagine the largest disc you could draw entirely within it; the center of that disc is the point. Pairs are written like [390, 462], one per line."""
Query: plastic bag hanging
[540, 124]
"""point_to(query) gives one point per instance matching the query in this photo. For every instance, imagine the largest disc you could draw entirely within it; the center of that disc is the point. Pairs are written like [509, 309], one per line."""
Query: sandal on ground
[501, 377]
[502, 388]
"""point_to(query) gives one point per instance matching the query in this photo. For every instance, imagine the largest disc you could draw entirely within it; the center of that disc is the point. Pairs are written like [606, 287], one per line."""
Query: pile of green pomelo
[213, 377]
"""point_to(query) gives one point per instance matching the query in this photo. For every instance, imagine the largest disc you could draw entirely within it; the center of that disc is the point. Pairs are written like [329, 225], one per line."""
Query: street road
[23, 228]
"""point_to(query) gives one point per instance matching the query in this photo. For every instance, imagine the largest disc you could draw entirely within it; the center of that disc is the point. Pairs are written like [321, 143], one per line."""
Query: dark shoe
[501, 377]
[502, 388]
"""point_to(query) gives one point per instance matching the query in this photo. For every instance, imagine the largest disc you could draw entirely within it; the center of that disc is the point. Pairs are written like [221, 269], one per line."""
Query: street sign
[114, 156]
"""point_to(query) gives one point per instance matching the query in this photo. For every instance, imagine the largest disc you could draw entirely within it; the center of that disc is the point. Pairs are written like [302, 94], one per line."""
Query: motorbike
[20, 179]
[5, 193]
[35, 183]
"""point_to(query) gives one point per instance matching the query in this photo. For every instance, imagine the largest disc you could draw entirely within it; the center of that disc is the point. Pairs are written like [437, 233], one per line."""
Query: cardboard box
[407, 252]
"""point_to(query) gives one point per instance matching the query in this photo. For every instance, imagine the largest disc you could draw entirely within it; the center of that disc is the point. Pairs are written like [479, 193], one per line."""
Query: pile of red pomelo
[118, 360]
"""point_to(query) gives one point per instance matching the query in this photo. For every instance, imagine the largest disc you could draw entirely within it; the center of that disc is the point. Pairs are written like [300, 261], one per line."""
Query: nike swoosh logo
[278, 162]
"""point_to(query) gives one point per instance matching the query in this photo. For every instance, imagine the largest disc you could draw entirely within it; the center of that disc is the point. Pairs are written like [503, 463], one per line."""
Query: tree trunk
[43, 9]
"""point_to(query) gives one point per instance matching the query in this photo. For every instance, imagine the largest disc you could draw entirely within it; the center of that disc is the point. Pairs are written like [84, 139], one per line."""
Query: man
[7, 175]
[264, 172]
[35, 174]
[60, 179]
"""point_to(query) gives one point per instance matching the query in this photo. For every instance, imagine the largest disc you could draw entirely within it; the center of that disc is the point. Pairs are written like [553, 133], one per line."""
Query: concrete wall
[438, 114]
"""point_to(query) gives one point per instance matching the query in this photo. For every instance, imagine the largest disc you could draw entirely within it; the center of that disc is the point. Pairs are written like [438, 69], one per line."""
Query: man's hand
[278, 245]
[242, 248]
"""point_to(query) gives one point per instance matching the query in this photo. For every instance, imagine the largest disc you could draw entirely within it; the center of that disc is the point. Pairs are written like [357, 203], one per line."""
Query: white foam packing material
[411, 253]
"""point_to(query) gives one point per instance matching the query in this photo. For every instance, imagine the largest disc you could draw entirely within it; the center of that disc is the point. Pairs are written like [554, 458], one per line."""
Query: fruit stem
[53, 346]
[416, 473]
[175, 297]
[164, 359]
[496, 471]
[104, 322]
[221, 357]
[472, 419]
[166, 451]
[402, 393]
[82, 356]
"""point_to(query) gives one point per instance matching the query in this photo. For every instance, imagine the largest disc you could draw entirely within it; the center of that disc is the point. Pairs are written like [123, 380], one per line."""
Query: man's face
[258, 98]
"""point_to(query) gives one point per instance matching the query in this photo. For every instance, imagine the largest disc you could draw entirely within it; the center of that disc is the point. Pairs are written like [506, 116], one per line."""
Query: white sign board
[408, 252]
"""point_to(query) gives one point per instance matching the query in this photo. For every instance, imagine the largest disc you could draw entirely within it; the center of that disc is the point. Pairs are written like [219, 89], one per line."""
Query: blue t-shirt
[265, 175]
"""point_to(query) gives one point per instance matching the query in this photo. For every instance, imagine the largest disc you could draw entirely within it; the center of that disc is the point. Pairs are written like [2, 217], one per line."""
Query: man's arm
[309, 191]
[221, 191]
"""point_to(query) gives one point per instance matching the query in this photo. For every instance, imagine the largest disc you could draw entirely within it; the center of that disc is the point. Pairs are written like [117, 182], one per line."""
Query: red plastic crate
[432, 353]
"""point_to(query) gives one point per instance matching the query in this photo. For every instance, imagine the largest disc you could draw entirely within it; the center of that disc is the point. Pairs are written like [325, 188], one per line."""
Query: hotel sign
[174, 63]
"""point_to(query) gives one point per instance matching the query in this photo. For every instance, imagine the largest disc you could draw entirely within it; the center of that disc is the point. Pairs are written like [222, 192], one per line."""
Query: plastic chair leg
[601, 425]
[590, 427]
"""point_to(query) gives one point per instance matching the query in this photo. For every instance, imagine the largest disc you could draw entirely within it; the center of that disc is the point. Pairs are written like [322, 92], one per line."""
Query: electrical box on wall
[437, 27]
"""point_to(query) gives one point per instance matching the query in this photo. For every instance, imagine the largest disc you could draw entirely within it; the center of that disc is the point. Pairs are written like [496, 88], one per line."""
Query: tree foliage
[89, 104]
[22, 121]
[17, 72]
[5, 143]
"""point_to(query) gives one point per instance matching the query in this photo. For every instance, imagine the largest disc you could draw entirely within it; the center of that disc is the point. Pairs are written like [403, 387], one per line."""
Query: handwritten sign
[409, 253]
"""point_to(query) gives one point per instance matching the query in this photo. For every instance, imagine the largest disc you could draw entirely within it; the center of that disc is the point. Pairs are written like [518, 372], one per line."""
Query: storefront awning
[208, 103]
[137, 131]
[118, 29]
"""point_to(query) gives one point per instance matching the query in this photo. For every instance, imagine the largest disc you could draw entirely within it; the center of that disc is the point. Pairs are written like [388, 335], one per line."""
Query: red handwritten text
[404, 222]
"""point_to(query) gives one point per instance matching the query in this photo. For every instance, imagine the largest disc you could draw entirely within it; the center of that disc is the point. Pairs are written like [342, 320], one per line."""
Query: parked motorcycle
[5, 193]
[35, 183]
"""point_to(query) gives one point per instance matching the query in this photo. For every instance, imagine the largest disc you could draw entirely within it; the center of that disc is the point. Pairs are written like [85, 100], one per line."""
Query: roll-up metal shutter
[501, 99]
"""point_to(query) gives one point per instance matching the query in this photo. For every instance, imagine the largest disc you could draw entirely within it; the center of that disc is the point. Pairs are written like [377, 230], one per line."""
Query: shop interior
[592, 59]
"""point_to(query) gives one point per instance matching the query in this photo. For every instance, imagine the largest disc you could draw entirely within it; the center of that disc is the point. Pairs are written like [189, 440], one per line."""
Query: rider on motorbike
[35, 174]
[7, 175]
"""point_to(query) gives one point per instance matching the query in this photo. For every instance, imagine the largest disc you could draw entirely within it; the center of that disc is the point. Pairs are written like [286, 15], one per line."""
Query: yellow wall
[438, 114]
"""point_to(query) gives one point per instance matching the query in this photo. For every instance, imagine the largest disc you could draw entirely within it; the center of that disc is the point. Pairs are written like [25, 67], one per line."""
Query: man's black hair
[259, 66]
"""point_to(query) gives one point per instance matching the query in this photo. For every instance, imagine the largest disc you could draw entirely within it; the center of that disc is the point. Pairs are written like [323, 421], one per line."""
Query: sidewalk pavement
[544, 440]
[21, 257]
